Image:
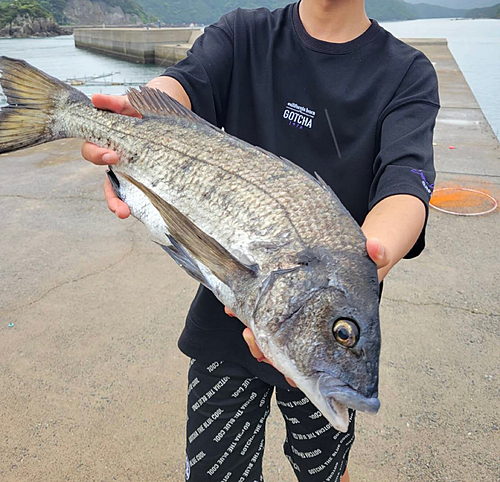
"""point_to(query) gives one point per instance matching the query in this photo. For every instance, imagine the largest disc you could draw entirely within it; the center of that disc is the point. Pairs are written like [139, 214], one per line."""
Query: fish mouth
[338, 393]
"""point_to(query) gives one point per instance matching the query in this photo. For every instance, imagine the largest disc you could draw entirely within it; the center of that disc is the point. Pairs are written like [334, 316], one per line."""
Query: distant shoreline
[69, 29]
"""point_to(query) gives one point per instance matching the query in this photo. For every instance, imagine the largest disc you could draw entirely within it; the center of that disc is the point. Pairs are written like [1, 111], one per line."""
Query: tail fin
[33, 98]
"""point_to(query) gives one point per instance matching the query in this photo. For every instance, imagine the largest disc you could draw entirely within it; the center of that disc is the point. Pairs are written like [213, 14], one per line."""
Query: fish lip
[336, 390]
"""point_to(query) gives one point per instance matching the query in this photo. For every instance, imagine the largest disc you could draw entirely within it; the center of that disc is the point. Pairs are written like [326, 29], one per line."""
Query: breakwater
[143, 45]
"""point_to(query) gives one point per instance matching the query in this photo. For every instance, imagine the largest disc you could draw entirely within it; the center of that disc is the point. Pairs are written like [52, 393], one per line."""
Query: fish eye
[346, 332]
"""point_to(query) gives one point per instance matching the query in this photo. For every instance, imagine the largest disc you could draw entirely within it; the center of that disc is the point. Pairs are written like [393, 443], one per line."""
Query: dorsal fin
[150, 102]
[186, 235]
[291, 165]
[325, 186]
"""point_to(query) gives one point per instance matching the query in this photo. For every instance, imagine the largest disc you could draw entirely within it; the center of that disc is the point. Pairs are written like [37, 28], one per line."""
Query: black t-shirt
[361, 114]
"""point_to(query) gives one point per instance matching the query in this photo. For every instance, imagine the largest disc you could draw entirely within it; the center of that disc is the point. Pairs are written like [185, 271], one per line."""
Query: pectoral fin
[199, 244]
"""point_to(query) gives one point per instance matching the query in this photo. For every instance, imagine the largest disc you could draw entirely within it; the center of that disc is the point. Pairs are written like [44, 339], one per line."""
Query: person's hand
[100, 156]
[249, 337]
[379, 256]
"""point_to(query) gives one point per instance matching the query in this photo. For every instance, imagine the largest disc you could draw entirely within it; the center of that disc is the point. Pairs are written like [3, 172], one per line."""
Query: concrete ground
[92, 385]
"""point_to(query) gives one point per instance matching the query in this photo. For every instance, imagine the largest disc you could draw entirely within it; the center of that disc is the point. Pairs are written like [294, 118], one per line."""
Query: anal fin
[115, 183]
[185, 262]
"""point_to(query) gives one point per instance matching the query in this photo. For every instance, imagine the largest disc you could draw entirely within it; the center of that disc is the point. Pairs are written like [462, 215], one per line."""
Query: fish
[271, 241]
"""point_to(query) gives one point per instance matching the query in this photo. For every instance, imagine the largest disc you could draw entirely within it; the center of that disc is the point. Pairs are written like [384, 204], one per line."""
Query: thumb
[229, 312]
[377, 252]
[252, 344]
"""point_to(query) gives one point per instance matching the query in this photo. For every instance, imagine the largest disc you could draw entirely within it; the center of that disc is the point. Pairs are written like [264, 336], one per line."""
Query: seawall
[133, 44]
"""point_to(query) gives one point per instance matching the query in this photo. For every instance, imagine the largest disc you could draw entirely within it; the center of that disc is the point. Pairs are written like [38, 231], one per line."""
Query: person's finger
[252, 345]
[98, 155]
[250, 340]
[256, 353]
[115, 204]
[377, 252]
[229, 312]
[114, 103]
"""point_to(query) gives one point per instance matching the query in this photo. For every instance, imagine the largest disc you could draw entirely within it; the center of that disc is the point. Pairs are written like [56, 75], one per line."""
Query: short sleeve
[405, 161]
[205, 73]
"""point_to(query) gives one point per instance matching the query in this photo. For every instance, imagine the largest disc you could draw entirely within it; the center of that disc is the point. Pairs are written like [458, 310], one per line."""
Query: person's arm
[392, 228]
[172, 87]
[404, 162]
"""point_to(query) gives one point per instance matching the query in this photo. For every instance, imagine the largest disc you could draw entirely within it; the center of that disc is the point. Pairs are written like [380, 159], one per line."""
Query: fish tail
[33, 101]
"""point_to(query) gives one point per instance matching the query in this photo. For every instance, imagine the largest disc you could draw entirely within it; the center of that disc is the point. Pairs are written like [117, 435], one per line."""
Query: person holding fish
[279, 243]
[321, 84]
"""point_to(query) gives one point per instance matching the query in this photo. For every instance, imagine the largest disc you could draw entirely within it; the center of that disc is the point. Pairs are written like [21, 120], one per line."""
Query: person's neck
[335, 21]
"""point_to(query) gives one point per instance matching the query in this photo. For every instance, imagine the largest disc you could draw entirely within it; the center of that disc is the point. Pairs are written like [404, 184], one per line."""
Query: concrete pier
[93, 386]
[134, 44]
[171, 54]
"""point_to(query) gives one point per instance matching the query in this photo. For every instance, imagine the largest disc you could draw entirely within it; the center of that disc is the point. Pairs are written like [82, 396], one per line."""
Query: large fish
[273, 243]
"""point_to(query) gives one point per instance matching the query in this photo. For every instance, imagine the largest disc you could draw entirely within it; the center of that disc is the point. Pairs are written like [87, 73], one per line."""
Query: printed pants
[227, 412]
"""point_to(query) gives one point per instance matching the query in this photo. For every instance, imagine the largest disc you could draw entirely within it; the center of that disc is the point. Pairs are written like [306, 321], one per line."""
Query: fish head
[323, 332]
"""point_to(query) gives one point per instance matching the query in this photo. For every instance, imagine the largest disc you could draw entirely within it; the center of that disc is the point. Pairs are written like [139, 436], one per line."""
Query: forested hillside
[208, 11]
[75, 12]
[463, 4]
[425, 10]
[389, 10]
[487, 12]
[10, 10]
[180, 12]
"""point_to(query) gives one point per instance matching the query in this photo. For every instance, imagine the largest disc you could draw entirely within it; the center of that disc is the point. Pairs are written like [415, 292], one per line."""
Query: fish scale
[240, 182]
[233, 188]
[273, 243]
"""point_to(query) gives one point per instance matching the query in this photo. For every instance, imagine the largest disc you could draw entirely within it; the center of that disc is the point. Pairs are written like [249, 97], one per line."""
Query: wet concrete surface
[92, 385]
